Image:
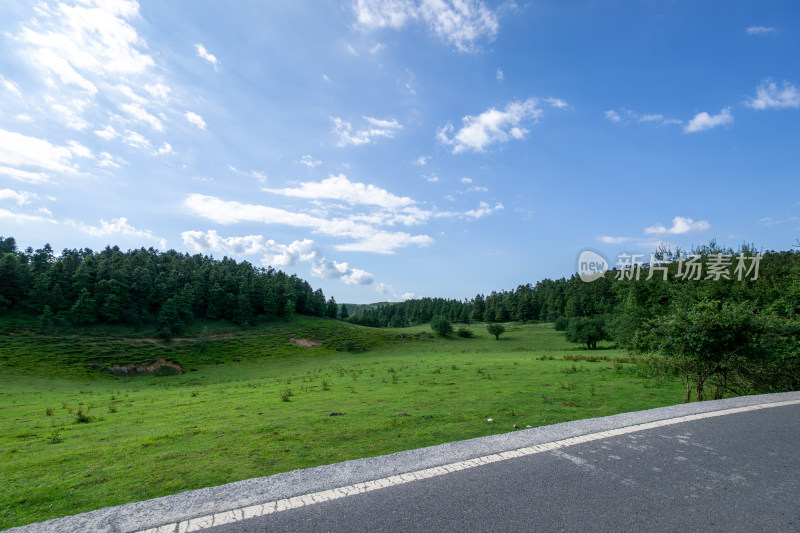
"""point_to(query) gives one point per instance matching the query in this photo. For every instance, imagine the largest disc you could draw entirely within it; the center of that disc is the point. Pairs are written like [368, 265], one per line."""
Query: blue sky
[386, 149]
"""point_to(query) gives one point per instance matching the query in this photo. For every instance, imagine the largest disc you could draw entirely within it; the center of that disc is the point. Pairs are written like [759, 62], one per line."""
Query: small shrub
[286, 394]
[350, 345]
[49, 411]
[54, 438]
[394, 379]
[465, 333]
[112, 408]
[81, 417]
[326, 385]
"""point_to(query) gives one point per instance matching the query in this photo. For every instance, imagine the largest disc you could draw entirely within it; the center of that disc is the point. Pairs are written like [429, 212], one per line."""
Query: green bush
[496, 330]
[465, 332]
[561, 323]
[441, 326]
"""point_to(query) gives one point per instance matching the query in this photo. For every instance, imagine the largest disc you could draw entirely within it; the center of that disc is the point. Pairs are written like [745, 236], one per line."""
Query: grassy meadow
[259, 401]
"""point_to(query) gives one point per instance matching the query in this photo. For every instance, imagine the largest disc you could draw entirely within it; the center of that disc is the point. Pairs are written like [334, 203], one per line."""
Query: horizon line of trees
[144, 286]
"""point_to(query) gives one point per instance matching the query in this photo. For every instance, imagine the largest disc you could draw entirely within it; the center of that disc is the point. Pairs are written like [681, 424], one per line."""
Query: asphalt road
[739, 472]
[727, 465]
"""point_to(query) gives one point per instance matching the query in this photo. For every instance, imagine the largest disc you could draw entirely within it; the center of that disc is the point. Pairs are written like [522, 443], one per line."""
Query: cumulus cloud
[770, 96]
[458, 22]
[491, 126]
[703, 121]
[340, 188]
[483, 210]
[375, 128]
[195, 119]
[278, 255]
[680, 226]
[117, 226]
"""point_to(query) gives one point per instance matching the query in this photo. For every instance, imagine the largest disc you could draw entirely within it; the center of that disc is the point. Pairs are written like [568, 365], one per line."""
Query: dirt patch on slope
[162, 367]
[305, 343]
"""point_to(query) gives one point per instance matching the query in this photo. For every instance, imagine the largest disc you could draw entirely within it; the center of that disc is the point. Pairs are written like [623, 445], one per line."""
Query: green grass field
[253, 403]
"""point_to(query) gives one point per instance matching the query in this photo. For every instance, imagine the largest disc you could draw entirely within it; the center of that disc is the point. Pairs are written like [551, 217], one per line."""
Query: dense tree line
[725, 321]
[147, 286]
[627, 296]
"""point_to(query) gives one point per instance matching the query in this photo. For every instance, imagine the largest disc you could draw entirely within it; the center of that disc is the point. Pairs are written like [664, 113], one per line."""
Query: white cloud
[376, 128]
[761, 30]
[106, 160]
[459, 22]
[11, 87]
[384, 242]
[24, 117]
[431, 178]
[500, 75]
[557, 102]
[117, 226]
[491, 126]
[612, 115]
[195, 119]
[79, 150]
[309, 161]
[340, 188]
[166, 148]
[69, 114]
[138, 113]
[392, 293]
[627, 116]
[108, 133]
[421, 161]
[20, 198]
[75, 42]
[477, 189]
[367, 236]
[465, 180]
[483, 210]
[204, 54]
[704, 121]
[680, 226]
[255, 174]
[158, 90]
[770, 96]
[24, 175]
[17, 150]
[136, 139]
[278, 255]
[10, 216]
[613, 240]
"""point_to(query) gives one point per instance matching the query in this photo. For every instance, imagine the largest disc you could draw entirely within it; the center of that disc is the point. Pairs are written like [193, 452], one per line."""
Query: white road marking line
[254, 511]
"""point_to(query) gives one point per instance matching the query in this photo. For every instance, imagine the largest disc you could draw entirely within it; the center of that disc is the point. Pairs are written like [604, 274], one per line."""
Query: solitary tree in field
[586, 331]
[496, 330]
[441, 326]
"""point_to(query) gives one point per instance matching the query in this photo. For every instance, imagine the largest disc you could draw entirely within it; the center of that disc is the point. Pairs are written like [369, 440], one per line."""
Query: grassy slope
[225, 421]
